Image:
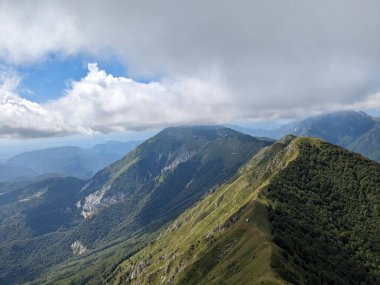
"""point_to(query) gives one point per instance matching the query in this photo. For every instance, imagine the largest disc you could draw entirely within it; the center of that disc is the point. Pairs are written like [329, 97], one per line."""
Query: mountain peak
[207, 132]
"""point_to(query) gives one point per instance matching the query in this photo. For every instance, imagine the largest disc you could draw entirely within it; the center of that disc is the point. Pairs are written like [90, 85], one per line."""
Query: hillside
[300, 212]
[65, 219]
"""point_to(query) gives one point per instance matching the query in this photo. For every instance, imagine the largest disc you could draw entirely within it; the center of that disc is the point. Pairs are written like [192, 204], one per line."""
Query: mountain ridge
[356, 131]
[248, 242]
[132, 197]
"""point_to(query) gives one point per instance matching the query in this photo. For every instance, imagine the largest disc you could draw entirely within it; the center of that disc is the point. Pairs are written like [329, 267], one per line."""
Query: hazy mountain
[114, 147]
[368, 144]
[125, 203]
[11, 172]
[356, 131]
[67, 161]
[300, 212]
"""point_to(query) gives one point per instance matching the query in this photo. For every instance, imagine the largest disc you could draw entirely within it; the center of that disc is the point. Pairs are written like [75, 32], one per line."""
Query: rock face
[78, 248]
[93, 202]
[182, 156]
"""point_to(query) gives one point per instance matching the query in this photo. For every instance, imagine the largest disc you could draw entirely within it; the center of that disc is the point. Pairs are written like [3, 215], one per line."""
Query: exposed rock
[183, 156]
[227, 224]
[78, 248]
[94, 201]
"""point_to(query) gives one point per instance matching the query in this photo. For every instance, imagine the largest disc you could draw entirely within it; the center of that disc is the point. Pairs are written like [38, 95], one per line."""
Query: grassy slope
[224, 234]
[321, 200]
[303, 213]
[121, 229]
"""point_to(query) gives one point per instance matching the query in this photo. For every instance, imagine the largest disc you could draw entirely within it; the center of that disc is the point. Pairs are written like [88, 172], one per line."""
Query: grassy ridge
[225, 233]
[300, 212]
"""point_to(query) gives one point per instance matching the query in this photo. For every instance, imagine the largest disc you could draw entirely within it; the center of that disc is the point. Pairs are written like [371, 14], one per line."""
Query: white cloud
[22, 118]
[101, 103]
[104, 103]
[221, 61]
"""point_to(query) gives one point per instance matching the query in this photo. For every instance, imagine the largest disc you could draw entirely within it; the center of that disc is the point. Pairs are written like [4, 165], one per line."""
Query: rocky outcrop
[78, 248]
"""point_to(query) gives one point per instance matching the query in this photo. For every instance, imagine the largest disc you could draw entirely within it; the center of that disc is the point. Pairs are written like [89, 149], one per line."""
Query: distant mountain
[123, 206]
[356, 131]
[11, 172]
[67, 161]
[114, 147]
[300, 212]
[368, 144]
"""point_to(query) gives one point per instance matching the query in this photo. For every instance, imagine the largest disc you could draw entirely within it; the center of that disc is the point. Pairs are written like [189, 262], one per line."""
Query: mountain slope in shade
[368, 144]
[300, 212]
[133, 197]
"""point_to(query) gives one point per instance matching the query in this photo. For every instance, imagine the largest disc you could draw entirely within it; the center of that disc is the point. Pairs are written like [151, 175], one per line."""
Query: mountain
[11, 172]
[67, 161]
[340, 128]
[356, 131]
[368, 144]
[114, 147]
[66, 224]
[302, 211]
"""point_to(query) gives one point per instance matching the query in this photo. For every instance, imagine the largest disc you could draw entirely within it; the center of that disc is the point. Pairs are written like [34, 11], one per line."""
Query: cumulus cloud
[220, 60]
[102, 103]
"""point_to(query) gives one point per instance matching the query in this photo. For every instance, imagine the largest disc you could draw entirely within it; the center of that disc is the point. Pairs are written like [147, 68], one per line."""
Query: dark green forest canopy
[325, 214]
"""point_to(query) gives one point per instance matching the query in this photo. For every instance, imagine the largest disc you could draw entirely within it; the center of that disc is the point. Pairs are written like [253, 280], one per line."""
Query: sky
[99, 69]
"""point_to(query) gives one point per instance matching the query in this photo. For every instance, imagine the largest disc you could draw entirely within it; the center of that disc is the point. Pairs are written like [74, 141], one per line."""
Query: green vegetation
[204, 206]
[145, 190]
[325, 214]
[304, 212]
[224, 239]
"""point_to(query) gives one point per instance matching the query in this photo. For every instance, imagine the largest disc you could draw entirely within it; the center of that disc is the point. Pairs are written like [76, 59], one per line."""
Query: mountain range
[356, 131]
[64, 161]
[47, 222]
[206, 205]
[302, 211]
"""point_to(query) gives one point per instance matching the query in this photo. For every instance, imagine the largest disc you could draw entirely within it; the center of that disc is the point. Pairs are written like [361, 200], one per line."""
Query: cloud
[102, 103]
[22, 118]
[220, 61]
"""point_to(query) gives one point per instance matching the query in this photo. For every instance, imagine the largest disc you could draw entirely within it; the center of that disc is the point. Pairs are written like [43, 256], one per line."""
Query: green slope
[123, 205]
[225, 233]
[300, 212]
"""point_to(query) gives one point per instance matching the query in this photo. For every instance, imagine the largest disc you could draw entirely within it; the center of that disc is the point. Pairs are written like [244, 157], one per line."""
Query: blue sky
[47, 79]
